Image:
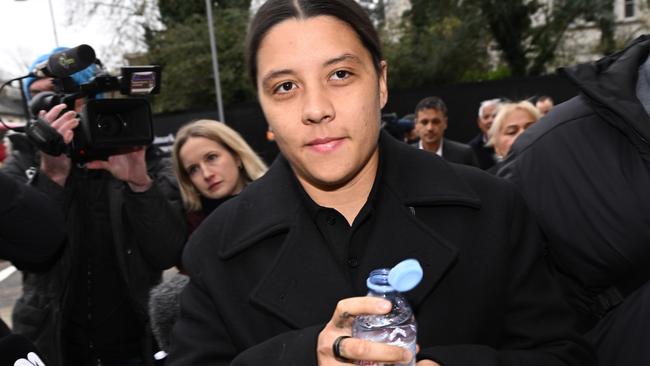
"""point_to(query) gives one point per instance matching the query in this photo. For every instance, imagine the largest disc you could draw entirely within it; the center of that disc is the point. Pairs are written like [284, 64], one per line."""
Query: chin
[330, 179]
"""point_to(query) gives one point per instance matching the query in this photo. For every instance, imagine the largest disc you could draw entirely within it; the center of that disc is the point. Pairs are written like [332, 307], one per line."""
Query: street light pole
[215, 62]
[56, 38]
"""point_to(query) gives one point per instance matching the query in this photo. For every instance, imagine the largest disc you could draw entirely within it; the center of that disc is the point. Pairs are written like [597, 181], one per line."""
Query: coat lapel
[305, 281]
[407, 238]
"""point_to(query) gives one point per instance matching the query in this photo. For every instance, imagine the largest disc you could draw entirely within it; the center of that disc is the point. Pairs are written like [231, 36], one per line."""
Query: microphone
[66, 63]
[16, 350]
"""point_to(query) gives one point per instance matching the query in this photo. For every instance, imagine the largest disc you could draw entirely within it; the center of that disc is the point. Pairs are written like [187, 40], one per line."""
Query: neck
[349, 198]
[433, 147]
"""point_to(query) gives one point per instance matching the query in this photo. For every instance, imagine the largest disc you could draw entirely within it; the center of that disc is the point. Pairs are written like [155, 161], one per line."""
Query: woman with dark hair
[278, 273]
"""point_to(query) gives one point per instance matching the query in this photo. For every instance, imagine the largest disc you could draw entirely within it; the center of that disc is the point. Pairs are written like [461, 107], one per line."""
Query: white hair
[488, 103]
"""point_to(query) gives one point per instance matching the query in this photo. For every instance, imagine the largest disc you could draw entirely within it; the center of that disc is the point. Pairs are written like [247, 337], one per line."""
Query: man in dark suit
[430, 124]
[486, 113]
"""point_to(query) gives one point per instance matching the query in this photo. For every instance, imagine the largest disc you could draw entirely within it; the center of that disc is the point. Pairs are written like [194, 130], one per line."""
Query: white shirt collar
[438, 152]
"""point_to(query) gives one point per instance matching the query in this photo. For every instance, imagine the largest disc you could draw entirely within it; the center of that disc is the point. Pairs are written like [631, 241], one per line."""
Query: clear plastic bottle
[398, 327]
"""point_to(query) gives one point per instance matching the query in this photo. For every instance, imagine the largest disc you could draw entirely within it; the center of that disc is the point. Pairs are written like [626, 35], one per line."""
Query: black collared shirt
[347, 243]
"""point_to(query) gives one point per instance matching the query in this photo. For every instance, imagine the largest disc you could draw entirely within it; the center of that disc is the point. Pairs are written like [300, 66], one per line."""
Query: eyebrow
[282, 72]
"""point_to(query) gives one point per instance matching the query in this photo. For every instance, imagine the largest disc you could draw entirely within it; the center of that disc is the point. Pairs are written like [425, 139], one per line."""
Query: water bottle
[398, 327]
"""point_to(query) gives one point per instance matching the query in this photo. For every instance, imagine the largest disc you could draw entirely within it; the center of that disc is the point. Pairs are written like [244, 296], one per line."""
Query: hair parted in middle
[277, 11]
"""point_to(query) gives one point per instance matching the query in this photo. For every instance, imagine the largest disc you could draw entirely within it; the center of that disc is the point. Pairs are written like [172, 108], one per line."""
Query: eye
[211, 157]
[341, 74]
[191, 170]
[285, 87]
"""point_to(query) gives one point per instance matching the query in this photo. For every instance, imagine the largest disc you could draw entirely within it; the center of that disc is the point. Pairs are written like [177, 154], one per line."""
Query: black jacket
[148, 232]
[263, 282]
[484, 154]
[31, 225]
[456, 152]
[584, 170]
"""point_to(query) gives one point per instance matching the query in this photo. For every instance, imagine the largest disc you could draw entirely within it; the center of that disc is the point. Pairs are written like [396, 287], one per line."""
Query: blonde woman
[511, 120]
[212, 163]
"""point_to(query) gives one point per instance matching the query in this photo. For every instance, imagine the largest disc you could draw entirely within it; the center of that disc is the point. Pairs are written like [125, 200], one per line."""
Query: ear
[383, 83]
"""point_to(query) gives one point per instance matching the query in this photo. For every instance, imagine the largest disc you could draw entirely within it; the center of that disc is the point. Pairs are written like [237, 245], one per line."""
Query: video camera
[107, 127]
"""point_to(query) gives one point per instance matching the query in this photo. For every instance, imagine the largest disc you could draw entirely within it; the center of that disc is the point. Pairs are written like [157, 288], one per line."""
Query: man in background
[486, 113]
[431, 123]
[544, 104]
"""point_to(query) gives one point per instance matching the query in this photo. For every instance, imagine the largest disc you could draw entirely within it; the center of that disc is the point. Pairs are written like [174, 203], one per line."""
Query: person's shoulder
[479, 179]
[476, 141]
[570, 115]
[265, 206]
[459, 146]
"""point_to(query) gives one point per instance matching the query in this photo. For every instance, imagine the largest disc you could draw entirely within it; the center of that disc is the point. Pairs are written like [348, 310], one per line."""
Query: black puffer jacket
[148, 231]
[584, 170]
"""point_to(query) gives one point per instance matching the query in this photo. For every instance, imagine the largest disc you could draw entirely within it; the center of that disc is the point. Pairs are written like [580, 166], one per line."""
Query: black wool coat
[263, 282]
[460, 153]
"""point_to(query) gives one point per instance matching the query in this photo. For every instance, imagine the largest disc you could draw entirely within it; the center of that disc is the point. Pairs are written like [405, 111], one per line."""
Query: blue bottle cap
[405, 275]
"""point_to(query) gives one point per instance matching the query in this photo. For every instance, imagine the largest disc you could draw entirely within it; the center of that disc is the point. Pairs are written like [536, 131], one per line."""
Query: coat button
[331, 220]
[129, 251]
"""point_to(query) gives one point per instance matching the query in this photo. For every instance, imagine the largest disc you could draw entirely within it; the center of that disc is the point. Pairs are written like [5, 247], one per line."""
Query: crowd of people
[533, 236]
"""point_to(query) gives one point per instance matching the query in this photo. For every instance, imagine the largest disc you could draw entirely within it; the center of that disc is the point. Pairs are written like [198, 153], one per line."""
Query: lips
[214, 186]
[326, 144]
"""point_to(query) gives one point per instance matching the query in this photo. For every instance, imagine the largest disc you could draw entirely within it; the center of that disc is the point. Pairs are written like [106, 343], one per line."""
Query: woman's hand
[354, 349]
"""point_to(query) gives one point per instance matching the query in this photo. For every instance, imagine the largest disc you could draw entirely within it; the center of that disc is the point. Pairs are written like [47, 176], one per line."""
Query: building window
[629, 8]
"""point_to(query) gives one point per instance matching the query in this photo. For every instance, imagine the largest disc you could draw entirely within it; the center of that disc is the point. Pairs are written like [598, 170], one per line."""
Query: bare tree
[129, 22]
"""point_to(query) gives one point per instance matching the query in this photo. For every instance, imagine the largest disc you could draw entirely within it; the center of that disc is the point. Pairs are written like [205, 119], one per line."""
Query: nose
[207, 173]
[317, 106]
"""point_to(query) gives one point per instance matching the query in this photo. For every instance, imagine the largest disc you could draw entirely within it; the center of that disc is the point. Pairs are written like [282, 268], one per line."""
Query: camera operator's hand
[57, 168]
[130, 168]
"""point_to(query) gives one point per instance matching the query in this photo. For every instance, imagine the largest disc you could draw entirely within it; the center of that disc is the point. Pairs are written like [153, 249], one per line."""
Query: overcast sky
[26, 32]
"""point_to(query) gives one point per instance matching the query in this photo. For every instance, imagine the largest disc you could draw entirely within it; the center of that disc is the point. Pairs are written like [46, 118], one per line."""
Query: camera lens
[110, 125]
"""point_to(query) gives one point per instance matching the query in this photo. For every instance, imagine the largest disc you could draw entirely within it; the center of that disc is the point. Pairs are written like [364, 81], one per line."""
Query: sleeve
[155, 218]
[32, 226]
[538, 324]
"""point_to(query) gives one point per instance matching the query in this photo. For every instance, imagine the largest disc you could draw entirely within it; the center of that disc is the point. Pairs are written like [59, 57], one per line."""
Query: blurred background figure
[431, 121]
[486, 113]
[123, 226]
[544, 104]
[412, 136]
[212, 163]
[511, 120]
[402, 129]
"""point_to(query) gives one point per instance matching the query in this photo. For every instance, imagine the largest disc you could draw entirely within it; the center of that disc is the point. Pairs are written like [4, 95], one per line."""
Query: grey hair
[487, 103]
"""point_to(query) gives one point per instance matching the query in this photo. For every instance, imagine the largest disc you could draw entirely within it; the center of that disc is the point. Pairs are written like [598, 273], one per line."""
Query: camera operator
[124, 226]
